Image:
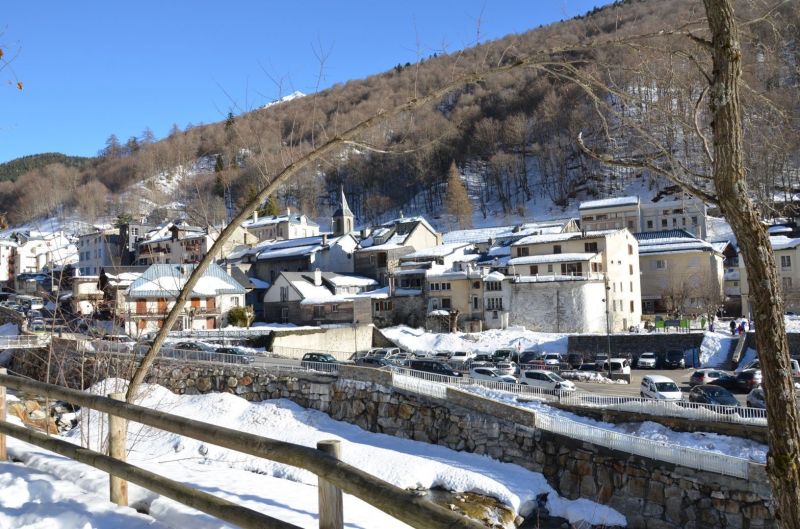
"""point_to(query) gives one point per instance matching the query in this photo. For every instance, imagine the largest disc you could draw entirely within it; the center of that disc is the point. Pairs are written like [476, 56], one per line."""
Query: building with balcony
[150, 298]
[576, 282]
[281, 227]
[99, 250]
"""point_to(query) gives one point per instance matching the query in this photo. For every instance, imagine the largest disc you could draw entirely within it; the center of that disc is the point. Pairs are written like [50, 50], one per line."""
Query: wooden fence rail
[402, 504]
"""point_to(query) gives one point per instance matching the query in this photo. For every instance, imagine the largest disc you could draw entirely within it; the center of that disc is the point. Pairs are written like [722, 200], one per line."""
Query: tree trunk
[783, 461]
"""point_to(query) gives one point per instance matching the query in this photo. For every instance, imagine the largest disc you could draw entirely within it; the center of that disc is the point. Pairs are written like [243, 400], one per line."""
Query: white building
[37, 250]
[281, 227]
[150, 298]
[684, 212]
[8, 252]
[98, 250]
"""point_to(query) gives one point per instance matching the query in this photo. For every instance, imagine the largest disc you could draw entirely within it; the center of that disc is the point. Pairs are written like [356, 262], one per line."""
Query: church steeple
[342, 217]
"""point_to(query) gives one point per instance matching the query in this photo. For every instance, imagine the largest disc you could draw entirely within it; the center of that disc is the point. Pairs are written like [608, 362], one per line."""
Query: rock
[232, 382]
[203, 384]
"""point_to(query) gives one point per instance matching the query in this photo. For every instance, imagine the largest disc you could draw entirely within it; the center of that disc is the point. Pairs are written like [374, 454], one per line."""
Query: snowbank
[421, 341]
[714, 349]
[590, 376]
[405, 463]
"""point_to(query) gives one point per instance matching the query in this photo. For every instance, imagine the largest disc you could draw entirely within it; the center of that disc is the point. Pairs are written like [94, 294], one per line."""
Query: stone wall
[589, 344]
[350, 338]
[651, 493]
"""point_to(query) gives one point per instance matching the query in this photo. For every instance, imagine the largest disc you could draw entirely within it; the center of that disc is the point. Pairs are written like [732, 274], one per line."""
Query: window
[494, 303]
[319, 311]
[550, 268]
[476, 284]
[663, 223]
[631, 305]
[493, 285]
[659, 264]
[786, 282]
[631, 286]
[556, 248]
[630, 269]
[334, 308]
[590, 247]
[522, 251]
[383, 306]
[284, 293]
[630, 249]
[446, 303]
[736, 283]
[534, 270]
[445, 286]
[694, 221]
[434, 286]
[235, 301]
[786, 261]
[284, 314]
[475, 304]
[649, 224]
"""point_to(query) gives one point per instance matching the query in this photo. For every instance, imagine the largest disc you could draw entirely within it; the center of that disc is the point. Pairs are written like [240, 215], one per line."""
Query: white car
[461, 357]
[552, 359]
[660, 388]
[490, 374]
[506, 368]
[619, 366]
[647, 361]
[546, 380]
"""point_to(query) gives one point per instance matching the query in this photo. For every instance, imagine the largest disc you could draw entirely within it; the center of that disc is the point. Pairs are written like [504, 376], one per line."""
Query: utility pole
[608, 324]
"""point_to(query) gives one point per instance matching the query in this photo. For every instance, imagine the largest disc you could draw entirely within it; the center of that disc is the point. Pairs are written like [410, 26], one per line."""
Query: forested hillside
[512, 135]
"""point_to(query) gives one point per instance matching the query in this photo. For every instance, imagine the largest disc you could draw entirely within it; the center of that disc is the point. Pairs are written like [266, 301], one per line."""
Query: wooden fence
[334, 475]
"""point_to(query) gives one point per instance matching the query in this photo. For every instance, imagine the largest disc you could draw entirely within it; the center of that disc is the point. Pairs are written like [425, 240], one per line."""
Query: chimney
[324, 239]
[288, 211]
[391, 286]
[255, 216]
[365, 232]
[317, 277]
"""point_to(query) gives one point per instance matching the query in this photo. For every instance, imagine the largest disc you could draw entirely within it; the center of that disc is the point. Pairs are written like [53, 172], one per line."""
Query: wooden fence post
[3, 454]
[330, 496]
[117, 437]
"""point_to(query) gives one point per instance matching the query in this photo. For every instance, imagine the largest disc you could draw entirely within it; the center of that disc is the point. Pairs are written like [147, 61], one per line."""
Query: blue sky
[94, 68]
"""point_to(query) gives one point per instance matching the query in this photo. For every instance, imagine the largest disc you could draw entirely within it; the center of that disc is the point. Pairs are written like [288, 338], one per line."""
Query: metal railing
[24, 341]
[298, 352]
[166, 352]
[419, 385]
[222, 334]
[659, 451]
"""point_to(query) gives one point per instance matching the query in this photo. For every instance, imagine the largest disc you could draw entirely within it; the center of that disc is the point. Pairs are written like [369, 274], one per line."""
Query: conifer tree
[458, 203]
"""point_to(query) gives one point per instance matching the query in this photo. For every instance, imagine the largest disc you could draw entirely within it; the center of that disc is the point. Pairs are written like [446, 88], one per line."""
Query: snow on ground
[590, 376]
[792, 323]
[723, 444]
[9, 329]
[283, 491]
[714, 349]
[421, 341]
[747, 358]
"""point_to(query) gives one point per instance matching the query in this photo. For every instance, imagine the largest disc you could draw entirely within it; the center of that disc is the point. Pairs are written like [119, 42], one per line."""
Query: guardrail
[334, 474]
[659, 451]
[298, 352]
[24, 341]
[222, 334]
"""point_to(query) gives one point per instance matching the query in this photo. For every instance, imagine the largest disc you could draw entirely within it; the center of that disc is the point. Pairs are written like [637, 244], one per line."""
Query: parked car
[552, 359]
[461, 357]
[710, 394]
[618, 366]
[756, 398]
[491, 374]
[313, 360]
[748, 379]
[482, 357]
[240, 354]
[529, 357]
[599, 360]
[575, 360]
[506, 368]
[727, 381]
[705, 376]
[647, 360]
[756, 364]
[546, 380]
[433, 366]
[443, 355]
[371, 361]
[194, 346]
[660, 388]
[503, 355]
[674, 359]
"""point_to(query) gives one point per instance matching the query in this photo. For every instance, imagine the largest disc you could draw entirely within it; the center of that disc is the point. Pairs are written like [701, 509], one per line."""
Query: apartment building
[682, 212]
[281, 227]
[99, 250]
[787, 259]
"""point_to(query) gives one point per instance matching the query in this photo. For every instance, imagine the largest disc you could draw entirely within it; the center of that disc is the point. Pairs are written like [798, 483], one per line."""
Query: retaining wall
[651, 493]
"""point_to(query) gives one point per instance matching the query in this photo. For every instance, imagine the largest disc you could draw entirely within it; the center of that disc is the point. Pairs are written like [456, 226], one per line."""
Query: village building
[150, 298]
[787, 260]
[281, 227]
[681, 274]
[8, 253]
[98, 250]
[319, 298]
[576, 282]
[662, 213]
[379, 252]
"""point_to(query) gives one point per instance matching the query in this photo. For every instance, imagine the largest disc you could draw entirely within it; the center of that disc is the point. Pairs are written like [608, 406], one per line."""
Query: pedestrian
[711, 326]
[733, 327]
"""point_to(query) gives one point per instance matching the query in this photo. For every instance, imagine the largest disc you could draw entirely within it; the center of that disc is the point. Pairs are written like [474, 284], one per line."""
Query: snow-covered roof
[671, 241]
[551, 258]
[292, 218]
[300, 247]
[483, 235]
[494, 276]
[442, 250]
[557, 237]
[781, 242]
[351, 281]
[609, 203]
[393, 234]
[166, 280]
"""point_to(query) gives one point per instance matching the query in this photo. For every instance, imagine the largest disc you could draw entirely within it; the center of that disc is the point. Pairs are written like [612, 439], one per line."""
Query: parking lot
[680, 376]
